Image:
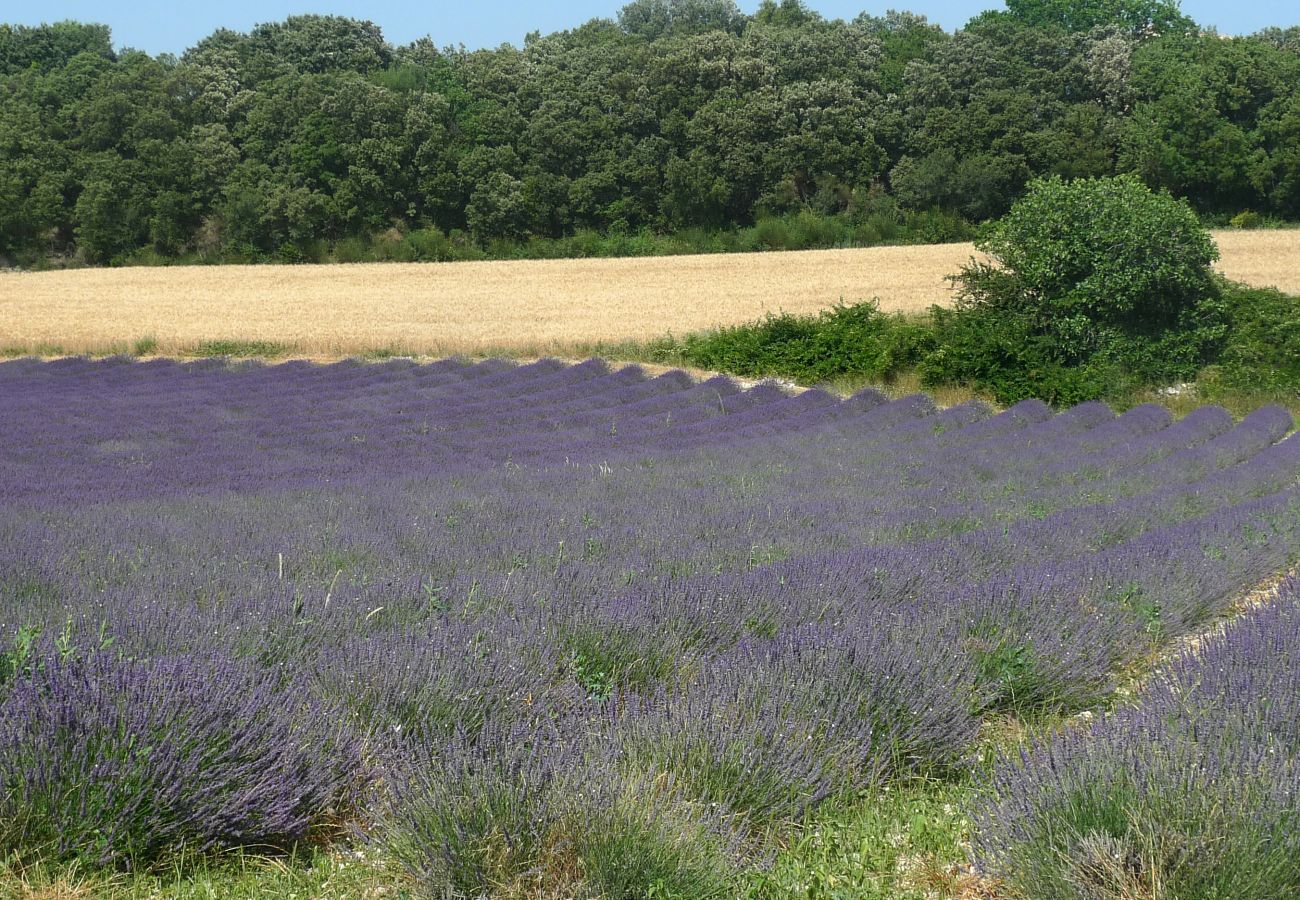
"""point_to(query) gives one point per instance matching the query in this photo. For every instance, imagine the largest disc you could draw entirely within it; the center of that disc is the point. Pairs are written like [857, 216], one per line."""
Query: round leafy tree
[1141, 18]
[1095, 285]
[1107, 248]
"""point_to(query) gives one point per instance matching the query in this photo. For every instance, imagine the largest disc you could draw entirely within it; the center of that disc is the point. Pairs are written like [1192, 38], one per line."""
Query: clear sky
[157, 26]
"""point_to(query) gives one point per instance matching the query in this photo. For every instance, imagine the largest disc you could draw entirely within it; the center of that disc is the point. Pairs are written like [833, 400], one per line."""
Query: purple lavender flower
[118, 761]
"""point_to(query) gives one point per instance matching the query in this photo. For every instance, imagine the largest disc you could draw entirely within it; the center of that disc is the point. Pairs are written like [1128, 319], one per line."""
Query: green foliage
[897, 843]
[642, 847]
[803, 230]
[846, 340]
[1007, 669]
[979, 185]
[1001, 352]
[602, 661]
[653, 19]
[110, 210]
[1262, 352]
[15, 660]
[1117, 838]
[686, 125]
[512, 833]
[321, 44]
[1139, 17]
[1195, 131]
[903, 37]
[1108, 249]
[1135, 601]
[1098, 285]
[48, 47]
[239, 875]
[260, 349]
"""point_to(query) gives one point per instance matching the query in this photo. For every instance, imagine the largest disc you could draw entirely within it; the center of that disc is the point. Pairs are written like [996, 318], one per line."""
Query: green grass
[313, 874]
[13, 351]
[384, 354]
[241, 349]
[896, 843]
[899, 843]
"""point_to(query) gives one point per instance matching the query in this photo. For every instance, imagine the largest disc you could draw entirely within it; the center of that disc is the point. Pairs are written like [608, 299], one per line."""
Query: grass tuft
[241, 349]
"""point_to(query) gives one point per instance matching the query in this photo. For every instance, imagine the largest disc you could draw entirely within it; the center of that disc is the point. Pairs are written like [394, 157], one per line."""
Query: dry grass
[1261, 258]
[539, 307]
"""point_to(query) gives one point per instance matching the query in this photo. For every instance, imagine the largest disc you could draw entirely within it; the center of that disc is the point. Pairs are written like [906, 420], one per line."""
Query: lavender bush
[118, 761]
[540, 807]
[1192, 793]
[738, 601]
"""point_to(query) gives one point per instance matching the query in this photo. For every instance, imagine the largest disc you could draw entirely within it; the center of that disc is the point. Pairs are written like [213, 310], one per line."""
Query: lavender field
[551, 630]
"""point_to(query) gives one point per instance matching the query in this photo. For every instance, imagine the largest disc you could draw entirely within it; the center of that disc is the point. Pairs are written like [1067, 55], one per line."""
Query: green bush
[1262, 351]
[805, 229]
[772, 234]
[935, 226]
[1246, 219]
[1002, 353]
[647, 843]
[846, 340]
[1097, 285]
[1119, 838]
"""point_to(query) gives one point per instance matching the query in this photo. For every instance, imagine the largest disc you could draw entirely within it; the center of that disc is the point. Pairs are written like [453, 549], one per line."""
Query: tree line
[678, 115]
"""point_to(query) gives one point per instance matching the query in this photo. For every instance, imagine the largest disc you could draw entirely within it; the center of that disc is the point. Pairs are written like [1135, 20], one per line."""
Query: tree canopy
[679, 114]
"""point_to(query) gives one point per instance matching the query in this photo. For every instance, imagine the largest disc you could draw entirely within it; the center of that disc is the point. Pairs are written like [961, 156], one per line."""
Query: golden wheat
[549, 306]
[1261, 258]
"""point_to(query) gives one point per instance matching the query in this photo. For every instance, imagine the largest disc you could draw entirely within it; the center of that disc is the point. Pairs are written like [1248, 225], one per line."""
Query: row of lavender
[1193, 792]
[527, 615]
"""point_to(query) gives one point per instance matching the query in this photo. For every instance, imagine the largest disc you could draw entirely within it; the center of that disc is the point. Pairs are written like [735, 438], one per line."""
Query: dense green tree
[1195, 123]
[682, 114]
[34, 182]
[318, 44]
[784, 14]
[47, 47]
[1282, 38]
[655, 19]
[903, 37]
[1138, 17]
[112, 209]
[1097, 282]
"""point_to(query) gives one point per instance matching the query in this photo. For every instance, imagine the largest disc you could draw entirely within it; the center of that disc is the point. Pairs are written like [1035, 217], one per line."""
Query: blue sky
[159, 27]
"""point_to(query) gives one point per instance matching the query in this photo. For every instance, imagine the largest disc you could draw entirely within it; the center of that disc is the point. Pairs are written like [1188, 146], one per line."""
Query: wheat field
[519, 307]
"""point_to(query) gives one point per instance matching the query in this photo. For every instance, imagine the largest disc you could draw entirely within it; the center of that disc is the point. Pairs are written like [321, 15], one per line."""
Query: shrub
[534, 808]
[936, 226]
[772, 234]
[121, 762]
[771, 727]
[431, 245]
[1246, 219]
[352, 250]
[846, 340]
[1097, 283]
[1191, 794]
[1262, 351]
[145, 346]
[647, 842]
[424, 683]
[239, 348]
[476, 812]
[1106, 247]
[1002, 352]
